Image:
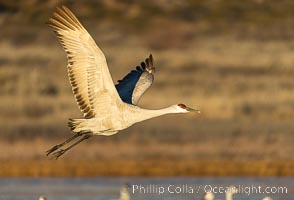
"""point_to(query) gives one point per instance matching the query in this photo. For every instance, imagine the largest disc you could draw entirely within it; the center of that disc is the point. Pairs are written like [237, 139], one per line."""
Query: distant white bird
[124, 193]
[267, 198]
[107, 108]
[42, 197]
[230, 192]
[208, 196]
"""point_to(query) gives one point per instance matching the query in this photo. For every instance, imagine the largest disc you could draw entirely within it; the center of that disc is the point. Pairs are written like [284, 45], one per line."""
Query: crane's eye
[182, 105]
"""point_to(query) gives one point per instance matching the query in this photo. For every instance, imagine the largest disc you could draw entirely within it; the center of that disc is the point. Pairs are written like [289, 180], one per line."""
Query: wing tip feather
[150, 64]
[63, 19]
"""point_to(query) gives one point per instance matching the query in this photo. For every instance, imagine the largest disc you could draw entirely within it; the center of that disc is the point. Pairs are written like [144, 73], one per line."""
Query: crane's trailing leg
[59, 153]
[64, 143]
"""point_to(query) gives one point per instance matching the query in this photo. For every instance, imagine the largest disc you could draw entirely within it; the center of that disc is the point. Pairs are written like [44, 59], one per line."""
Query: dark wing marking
[135, 83]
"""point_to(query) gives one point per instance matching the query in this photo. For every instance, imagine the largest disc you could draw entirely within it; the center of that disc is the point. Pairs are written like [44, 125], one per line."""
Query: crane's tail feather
[74, 124]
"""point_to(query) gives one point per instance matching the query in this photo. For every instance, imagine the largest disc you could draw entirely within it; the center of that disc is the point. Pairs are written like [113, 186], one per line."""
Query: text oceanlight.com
[194, 189]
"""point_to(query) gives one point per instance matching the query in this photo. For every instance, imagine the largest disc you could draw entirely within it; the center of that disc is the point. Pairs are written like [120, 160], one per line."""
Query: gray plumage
[135, 83]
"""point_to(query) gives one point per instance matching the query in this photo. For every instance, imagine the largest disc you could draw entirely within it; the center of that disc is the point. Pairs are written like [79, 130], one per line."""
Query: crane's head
[184, 109]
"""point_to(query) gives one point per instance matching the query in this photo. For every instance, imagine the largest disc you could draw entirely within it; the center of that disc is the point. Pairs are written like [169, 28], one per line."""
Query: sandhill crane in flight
[107, 108]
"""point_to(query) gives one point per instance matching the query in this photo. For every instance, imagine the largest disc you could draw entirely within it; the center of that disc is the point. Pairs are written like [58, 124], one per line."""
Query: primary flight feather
[107, 108]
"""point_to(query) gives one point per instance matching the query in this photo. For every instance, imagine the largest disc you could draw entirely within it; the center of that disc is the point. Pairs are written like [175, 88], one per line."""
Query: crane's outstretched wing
[88, 72]
[135, 83]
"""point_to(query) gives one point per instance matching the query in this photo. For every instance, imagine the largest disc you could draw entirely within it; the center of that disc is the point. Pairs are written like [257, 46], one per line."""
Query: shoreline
[146, 168]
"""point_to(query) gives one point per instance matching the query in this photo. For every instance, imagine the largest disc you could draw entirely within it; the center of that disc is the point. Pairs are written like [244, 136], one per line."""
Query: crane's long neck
[148, 114]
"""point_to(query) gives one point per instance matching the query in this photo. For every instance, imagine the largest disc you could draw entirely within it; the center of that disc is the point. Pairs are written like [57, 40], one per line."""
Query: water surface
[99, 188]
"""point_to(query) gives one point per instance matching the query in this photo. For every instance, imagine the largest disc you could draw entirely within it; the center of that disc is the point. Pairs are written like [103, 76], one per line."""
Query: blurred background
[231, 59]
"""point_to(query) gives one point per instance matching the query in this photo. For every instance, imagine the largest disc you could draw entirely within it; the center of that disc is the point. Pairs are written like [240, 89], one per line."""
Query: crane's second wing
[88, 72]
[135, 83]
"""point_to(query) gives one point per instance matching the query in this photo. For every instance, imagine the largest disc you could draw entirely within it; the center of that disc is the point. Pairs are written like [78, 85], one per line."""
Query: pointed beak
[192, 110]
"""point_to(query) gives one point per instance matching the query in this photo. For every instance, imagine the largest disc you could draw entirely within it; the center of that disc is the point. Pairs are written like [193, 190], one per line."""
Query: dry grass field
[231, 59]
